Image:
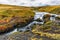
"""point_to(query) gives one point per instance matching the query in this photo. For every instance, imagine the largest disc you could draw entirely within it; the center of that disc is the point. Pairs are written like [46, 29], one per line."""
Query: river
[37, 15]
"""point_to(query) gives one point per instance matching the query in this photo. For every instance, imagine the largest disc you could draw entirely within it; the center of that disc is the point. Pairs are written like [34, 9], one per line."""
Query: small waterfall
[37, 15]
[28, 27]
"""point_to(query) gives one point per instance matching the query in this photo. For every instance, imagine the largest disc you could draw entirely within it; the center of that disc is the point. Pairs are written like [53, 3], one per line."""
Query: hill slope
[50, 9]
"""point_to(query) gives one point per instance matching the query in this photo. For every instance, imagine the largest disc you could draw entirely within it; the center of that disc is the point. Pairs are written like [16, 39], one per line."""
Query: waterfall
[37, 15]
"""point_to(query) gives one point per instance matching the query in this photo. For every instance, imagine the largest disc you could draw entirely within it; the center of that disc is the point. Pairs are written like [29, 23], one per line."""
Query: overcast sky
[30, 2]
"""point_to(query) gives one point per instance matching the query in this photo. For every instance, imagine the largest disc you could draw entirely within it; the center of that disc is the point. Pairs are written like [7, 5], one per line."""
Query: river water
[37, 15]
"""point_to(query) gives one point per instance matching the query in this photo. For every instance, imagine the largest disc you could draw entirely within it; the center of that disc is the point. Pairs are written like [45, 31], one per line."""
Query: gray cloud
[30, 2]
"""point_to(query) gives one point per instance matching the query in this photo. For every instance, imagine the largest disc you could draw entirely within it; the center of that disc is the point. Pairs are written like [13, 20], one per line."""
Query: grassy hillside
[50, 9]
[19, 15]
